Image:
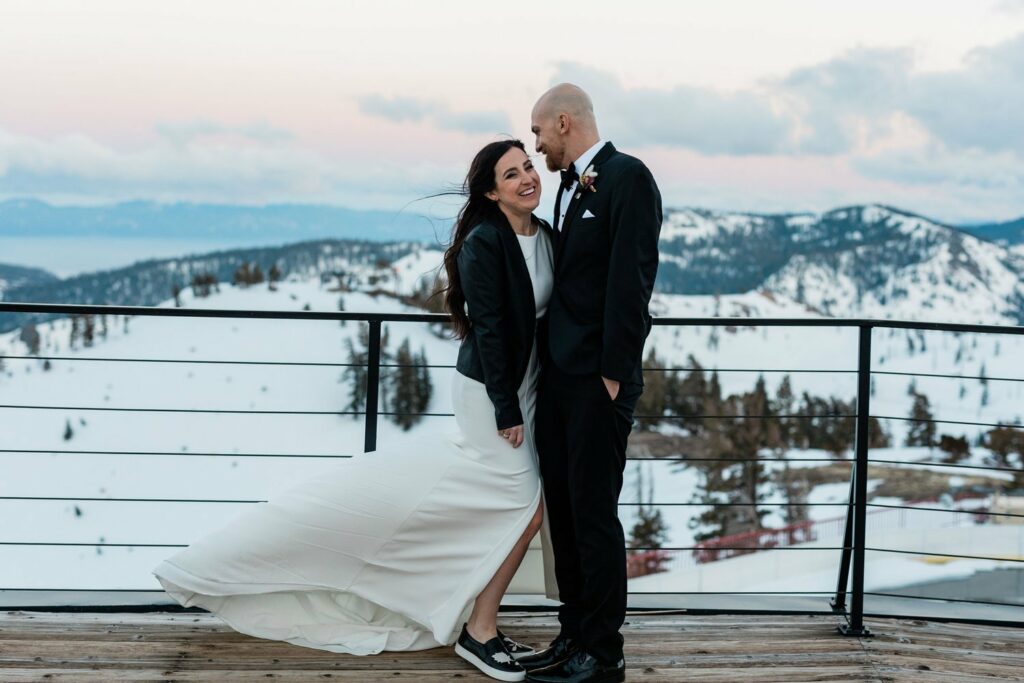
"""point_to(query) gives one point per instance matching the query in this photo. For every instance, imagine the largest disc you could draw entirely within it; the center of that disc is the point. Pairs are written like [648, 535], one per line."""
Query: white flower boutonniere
[586, 181]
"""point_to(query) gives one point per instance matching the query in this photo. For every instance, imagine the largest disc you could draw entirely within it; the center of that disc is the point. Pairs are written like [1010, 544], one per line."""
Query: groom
[607, 220]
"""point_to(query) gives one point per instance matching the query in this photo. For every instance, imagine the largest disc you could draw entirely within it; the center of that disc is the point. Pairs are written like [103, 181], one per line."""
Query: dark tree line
[733, 436]
[405, 387]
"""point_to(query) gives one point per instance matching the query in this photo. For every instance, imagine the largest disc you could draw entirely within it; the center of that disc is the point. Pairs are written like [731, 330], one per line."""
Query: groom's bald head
[569, 99]
[564, 124]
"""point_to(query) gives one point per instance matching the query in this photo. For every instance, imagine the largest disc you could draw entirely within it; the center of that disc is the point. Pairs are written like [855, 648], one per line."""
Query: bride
[402, 550]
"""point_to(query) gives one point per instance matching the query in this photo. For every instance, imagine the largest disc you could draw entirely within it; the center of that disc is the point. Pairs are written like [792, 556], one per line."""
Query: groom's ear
[563, 123]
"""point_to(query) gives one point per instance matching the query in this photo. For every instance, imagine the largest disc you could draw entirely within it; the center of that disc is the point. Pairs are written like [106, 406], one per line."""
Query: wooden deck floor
[38, 646]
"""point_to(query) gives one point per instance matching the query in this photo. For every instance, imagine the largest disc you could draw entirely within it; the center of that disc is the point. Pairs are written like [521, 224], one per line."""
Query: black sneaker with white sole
[491, 657]
[515, 649]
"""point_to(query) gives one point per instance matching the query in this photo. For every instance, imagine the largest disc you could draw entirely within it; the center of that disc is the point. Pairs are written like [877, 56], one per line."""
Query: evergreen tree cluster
[203, 284]
[405, 387]
[86, 328]
[731, 436]
[1007, 450]
[649, 532]
[247, 274]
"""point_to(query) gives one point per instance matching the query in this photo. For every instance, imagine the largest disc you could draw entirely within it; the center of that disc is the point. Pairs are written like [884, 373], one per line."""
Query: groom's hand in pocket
[612, 386]
[514, 435]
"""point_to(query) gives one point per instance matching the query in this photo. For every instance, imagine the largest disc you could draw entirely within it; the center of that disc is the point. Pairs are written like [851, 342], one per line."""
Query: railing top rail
[152, 311]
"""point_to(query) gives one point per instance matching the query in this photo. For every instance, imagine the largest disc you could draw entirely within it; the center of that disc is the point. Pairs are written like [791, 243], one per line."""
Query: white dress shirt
[580, 165]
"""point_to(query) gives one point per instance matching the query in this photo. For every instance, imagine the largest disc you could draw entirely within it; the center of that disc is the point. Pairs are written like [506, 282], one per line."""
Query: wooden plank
[780, 675]
[659, 648]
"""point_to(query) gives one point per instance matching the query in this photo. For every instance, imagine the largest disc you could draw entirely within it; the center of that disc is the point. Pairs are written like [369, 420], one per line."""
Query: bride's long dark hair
[479, 181]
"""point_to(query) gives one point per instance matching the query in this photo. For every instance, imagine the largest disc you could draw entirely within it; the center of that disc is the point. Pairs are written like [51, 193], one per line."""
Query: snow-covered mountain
[12, 277]
[147, 283]
[857, 261]
[853, 262]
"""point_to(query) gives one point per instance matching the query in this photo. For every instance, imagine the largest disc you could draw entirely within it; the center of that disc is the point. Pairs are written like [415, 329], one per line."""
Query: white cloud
[700, 119]
[195, 168]
[410, 109]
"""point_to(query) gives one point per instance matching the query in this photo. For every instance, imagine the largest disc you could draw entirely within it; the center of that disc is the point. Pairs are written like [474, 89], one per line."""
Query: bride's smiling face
[516, 183]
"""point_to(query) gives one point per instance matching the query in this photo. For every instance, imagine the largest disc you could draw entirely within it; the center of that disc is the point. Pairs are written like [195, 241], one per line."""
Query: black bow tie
[569, 177]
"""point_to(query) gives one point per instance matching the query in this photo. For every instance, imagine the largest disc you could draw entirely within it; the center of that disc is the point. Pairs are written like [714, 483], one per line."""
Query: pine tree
[354, 376]
[29, 335]
[88, 330]
[1007, 447]
[922, 430]
[955, 447]
[273, 277]
[783, 406]
[424, 385]
[688, 400]
[76, 330]
[242, 275]
[649, 531]
[68, 432]
[652, 400]
[404, 397]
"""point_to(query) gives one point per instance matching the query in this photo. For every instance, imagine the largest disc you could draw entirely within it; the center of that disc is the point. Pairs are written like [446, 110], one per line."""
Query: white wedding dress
[386, 551]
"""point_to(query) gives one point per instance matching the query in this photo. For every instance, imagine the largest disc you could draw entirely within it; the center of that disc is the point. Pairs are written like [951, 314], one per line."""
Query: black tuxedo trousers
[584, 432]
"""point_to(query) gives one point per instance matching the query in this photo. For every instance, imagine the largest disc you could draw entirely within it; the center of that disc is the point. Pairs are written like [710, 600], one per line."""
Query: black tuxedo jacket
[606, 259]
[502, 312]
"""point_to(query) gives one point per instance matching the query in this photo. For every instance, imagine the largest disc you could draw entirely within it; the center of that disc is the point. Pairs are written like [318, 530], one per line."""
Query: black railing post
[372, 386]
[839, 601]
[856, 627]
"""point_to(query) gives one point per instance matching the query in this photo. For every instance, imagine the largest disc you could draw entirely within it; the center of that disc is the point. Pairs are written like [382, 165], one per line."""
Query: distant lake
[66, 256]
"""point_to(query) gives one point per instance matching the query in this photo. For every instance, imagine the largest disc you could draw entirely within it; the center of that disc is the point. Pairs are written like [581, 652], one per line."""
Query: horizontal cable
[720, 592]
[948, 422]
[222, 500]
[838, 323]
[961, 557]
[931, 374]
[739, 417]
[222, 362]
[155, 312]
[189, 361]
[960, 600]
[742, 547]
[772, 370]
[925, 463]
[845, 460]
[395, 414]
[965, 512]
[132, 500]
[84, 590]
[179, 545]
[743, 505]
[152, 311]
[98, 545]
[214, 411]
[178, 453]
[829, 592]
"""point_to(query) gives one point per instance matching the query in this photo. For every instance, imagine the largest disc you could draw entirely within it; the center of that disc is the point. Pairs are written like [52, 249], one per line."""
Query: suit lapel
[577, 199]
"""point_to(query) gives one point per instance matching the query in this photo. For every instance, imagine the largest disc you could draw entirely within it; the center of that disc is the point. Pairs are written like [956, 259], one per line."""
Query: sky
[752, 105]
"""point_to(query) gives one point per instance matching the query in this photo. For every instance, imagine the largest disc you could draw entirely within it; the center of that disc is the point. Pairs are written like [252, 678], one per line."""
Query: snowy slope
[909, 267]
[854, 261]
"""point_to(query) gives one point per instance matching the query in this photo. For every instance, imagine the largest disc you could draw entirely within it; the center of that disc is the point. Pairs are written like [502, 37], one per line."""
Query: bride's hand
[514, 435]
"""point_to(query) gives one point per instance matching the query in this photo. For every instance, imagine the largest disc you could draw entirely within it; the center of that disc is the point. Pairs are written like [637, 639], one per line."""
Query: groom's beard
[550, 163]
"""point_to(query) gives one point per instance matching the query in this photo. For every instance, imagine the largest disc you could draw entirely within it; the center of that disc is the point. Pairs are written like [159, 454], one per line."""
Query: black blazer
[606, 259]
[502, 313]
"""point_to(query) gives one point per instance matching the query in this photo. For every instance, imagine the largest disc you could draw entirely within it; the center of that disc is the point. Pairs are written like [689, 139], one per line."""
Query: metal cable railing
[853, 548]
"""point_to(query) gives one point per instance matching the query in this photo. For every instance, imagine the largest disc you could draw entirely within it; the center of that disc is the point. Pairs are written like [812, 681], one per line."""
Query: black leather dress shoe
[580, 668]
[561, 649]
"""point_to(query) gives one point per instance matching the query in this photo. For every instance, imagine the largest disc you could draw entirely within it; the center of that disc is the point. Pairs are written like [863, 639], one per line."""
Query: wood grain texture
[664, 648]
